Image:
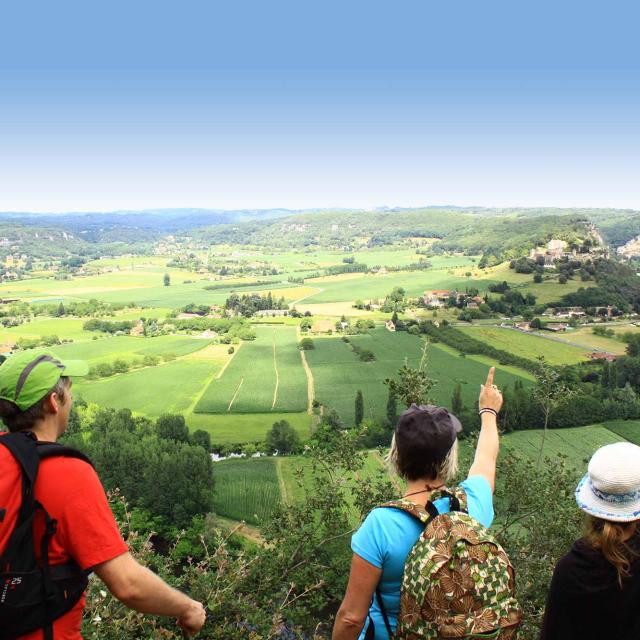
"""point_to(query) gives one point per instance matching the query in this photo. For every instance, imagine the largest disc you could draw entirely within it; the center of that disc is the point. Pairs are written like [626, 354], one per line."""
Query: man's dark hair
[17, 420]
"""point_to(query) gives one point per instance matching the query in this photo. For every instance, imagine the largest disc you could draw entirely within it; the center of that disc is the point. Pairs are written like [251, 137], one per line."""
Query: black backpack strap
[53, 450]
[383, 611]
[370, 633]
[20, 544]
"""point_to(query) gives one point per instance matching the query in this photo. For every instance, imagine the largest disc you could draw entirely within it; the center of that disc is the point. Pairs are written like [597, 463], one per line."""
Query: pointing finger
[490, 375]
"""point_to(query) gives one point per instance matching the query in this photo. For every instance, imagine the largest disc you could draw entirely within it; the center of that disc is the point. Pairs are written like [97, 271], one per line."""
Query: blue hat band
[615, 498]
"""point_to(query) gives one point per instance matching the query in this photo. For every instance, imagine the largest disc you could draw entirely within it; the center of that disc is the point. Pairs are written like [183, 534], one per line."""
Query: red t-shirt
[87, 532]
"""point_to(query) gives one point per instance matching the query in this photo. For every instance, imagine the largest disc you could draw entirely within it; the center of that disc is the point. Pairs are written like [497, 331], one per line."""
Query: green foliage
[172, 427]
[413, 384]
[359, 408]
[282, 438]
[166, 280]
[306, 344]
[172, 479]
[201, 438]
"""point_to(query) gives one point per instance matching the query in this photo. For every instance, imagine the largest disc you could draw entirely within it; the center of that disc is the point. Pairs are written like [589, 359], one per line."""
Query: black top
[586, 602]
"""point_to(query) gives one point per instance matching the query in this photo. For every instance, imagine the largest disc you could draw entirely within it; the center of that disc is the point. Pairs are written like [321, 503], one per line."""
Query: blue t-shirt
[387, 535]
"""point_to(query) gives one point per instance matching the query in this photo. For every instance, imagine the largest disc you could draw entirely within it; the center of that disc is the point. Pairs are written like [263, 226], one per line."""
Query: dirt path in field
[235, 395]
[275, 366]
[310, 382]
[283, 485]
[311, 389]
[226, 364]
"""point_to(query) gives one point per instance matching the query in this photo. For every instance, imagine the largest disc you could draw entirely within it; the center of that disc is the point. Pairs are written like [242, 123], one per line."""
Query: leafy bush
[306, 344]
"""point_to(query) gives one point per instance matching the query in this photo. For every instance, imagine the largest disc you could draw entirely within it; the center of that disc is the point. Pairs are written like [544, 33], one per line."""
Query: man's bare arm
[139, 588]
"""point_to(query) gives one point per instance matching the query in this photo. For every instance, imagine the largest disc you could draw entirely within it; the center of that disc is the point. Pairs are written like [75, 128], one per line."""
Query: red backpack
[32, 593]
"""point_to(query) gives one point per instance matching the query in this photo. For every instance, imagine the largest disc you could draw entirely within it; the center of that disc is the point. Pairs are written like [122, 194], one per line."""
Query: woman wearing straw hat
[595, 590]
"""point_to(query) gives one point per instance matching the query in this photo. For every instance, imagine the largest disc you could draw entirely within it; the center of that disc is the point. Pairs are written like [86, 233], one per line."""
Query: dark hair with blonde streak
[611, 538]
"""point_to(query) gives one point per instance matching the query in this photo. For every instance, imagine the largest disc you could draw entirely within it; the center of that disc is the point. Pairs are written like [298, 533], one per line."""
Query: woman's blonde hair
[447, 469]
[611, 538]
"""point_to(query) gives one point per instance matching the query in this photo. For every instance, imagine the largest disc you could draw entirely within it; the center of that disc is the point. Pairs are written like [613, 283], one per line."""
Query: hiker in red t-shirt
[35, 396]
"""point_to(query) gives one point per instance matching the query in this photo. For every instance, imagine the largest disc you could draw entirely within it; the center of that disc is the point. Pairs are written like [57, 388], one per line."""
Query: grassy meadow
[338, 372]
[528, 345]
[265, 375]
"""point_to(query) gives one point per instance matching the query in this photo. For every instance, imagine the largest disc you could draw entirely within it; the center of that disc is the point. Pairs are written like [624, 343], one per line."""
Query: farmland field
[527, 345]
[246, 489]
[109, 348]
[265, 375]
[586, 337]
[166, 388]
[232, 428]
[627, 429]
[577, 445]
[339, 373]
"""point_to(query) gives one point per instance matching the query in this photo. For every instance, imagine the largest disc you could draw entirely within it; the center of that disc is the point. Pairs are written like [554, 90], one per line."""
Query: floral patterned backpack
[458, 581]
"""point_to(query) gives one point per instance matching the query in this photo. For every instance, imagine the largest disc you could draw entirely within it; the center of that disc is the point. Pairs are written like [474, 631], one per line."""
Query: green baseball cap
[26, 377]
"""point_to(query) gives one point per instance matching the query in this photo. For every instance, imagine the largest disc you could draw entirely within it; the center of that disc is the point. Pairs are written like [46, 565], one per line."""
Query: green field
[627, 429]
[577, 444]
[339, 374]
[108, 349]
[246, 489]
[233, 428]
[265, 375]
[527, 345]
[165, 388]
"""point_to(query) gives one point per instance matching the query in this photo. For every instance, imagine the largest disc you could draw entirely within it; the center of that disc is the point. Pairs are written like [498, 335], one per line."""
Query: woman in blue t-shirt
[424, 451]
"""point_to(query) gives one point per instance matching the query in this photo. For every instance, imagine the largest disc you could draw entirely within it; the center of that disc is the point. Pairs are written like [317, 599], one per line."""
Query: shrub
[306, 344]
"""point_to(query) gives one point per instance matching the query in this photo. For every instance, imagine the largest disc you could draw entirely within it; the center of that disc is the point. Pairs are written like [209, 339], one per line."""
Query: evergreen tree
[456, 400]
[359, 408]
[605, 378]
[166, 279]
[392, 408]
[60, 311]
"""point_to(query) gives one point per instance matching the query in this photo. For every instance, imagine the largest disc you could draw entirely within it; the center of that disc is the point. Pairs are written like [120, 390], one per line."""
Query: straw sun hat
[611, 488]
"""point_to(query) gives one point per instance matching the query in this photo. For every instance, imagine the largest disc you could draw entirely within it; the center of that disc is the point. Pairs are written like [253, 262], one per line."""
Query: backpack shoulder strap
[457, 497]
[423, 514]
[53, 449]
[23, 446]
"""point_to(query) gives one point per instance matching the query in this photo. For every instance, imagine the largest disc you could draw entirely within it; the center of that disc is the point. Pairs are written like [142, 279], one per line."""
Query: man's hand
[193, 619]
[490, 395]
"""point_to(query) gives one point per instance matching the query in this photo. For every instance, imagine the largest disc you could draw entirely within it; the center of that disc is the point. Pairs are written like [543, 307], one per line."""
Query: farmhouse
[472, 305]
[569, 312]
[557, 326]
[138, 330]
[599, 356]
[6, 349]
[523, 326]
[437, 297]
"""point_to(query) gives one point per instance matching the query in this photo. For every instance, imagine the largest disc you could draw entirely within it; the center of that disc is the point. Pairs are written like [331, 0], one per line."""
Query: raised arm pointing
[489, 405]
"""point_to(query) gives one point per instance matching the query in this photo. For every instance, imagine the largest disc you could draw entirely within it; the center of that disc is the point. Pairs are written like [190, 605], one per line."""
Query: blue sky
[301, 104]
